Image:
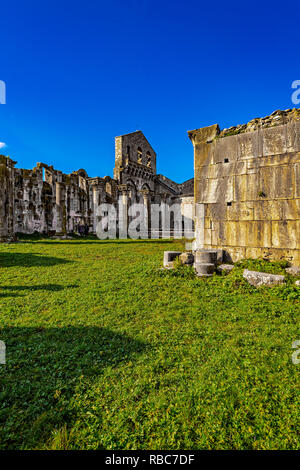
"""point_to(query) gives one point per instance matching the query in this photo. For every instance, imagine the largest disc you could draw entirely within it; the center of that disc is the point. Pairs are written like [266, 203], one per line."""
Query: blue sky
[80, 73]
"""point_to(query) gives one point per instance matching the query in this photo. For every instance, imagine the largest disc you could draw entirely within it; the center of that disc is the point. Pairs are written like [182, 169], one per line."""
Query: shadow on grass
[10, 290]
[28, 260]
[44, 367]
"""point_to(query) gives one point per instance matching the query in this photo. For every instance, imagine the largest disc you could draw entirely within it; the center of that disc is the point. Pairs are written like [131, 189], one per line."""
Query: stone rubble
[203, 261]
[258, 279]
[169, 257]
[293, 271]
[225, 268]
[187, 258]
[204, 269]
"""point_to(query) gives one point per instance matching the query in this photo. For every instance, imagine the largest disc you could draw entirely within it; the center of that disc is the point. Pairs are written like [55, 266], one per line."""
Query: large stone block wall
[247, 188]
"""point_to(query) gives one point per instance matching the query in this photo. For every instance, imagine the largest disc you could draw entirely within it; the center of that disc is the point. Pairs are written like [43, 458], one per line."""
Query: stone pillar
[95, 207]
[61, 212]
[155, 216]
[6, 199]
[123, 213]
[146, 214]
[165, 218]
[26, 202]
[150, 200]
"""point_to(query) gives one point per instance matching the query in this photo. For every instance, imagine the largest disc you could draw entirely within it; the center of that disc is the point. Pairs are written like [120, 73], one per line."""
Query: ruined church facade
[50, 202]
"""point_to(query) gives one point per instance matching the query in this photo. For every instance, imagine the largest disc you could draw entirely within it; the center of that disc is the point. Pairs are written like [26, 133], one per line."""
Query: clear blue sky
[80, 73]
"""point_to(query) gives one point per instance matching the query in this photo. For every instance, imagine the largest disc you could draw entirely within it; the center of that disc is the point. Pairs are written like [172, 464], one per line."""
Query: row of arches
[134, 189]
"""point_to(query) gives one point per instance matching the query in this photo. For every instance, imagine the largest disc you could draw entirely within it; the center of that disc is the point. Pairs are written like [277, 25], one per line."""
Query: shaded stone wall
[247, 187]
[45, 200]
[6, 198]
[48, 201]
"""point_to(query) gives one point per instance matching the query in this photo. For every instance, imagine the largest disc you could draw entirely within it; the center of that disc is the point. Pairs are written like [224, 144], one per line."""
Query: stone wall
[247, 187]
[46, 200]
[51, 202]
[6, 198]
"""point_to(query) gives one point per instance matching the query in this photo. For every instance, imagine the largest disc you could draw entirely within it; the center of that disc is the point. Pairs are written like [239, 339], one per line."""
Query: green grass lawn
[106, 351]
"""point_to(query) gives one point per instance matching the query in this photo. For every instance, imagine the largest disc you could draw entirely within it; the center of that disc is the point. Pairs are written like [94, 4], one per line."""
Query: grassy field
[107, 351]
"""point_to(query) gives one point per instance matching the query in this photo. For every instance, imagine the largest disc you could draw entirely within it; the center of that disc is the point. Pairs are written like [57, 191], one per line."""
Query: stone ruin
[47, 201]
[247, 188]
[247, 197]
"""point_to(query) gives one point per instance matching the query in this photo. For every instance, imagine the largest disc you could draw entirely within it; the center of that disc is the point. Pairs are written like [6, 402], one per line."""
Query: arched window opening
[139, 155]
[148, 159]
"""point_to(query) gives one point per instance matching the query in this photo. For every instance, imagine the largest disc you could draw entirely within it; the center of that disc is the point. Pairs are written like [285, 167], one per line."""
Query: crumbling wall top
[4, 160]
[277, 118]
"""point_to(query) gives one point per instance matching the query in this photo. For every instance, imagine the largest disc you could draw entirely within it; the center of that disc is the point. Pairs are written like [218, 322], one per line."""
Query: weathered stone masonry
[6, 197]
[247, 187]
[48, 201]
